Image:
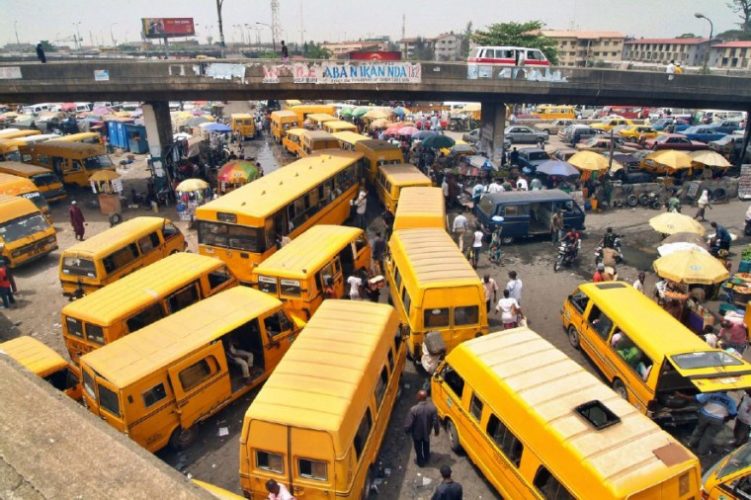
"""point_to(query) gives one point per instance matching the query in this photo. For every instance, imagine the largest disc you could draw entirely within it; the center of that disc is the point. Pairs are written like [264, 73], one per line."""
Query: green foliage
[733, 35]
[312, 50]
[743, 9]
[47, 46]
[423, 50]
[520, 35]
[687, 35]
[466, 39]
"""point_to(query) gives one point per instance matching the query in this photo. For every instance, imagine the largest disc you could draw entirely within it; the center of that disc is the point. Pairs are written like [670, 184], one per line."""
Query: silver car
[516, 134]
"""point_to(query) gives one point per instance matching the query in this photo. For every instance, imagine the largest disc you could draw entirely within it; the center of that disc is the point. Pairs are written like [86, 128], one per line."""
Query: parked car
[563, 154]
[601, 143]
[675, 141]
[610, 122]
[730, 147]
[728, 126]
[523, 134]
[638, 132]
[663, 123]
[703, 133]
[555, 126]
[471, 137]
[575, 133]
[530, 158]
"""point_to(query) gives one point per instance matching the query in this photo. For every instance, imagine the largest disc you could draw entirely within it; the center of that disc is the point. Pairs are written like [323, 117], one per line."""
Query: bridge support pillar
[746, 138]
[158, 123]
[492, 124]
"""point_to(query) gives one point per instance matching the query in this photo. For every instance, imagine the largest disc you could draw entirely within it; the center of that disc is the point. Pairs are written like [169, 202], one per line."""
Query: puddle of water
[639, 258]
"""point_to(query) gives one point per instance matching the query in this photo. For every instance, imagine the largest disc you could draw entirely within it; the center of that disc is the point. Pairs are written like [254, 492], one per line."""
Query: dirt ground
[215, 459]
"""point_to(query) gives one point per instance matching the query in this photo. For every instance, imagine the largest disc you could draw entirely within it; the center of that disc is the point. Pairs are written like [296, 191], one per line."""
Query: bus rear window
[108, 401]
[706, 359]
[75, 327]
[290, 287]
[23, 226]
[100, 161]
[266, 284]
[435, 318]
[76, 266]
[235, 237]
[45, 179]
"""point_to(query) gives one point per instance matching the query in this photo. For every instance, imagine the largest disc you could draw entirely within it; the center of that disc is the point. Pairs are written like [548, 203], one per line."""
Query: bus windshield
[224, 235]
[45, 179]
[99, 161]
[739, 460]
[21, 227]
[38, 200]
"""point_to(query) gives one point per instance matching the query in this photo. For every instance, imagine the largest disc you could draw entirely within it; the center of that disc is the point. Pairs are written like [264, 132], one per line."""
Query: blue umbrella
[557, 167]
[400, 111]
[216, 127]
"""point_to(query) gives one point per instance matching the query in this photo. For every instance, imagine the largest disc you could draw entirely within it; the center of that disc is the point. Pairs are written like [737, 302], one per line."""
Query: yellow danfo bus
[74, 162]
[554, 112]
[281, 121]
[318, 422]
[292, 141]
[316, 140]
[538, 425]
[243, 124]
[335, 126]
[420, 207]
[318, 119]
[45, 363]
[141, 298]
[322, 256]
[17, 134]
[303, 110]
[14, 185]
[46, 181]
[85, 137]
[379, 153]
[25, 233]
[244, 227]
[347, 139]
[391, 179]
[9, 150]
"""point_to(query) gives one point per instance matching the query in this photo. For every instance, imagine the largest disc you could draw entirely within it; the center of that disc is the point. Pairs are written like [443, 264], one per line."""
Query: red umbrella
[392, 131]
[408, 131]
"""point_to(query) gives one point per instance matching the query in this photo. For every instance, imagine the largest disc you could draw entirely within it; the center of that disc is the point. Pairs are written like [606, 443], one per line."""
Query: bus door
[278, 332]
[332, 271]
[515, 220]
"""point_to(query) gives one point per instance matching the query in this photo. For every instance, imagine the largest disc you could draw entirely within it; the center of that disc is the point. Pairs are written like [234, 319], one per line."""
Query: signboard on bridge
[167, 27]
[332, 73]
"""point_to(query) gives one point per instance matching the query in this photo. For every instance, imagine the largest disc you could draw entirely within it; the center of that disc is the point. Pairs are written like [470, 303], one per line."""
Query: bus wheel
[620, 389]
[368, 484]
[573, 337]
[454, 443]
[183, 438]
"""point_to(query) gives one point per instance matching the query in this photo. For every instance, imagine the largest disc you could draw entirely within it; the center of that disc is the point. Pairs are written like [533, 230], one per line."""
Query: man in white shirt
[495, 187]
[278, 491]
[509, 309]
[361, 206]
[670, 70]
[354, 282]
[476, 246]
[514, 287]
[459, 227]
[491, 291]
[521, 184]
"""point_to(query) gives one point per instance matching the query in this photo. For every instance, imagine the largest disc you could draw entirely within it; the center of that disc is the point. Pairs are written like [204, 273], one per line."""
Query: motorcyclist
[571, 240]
[608, 240]
[722, 237]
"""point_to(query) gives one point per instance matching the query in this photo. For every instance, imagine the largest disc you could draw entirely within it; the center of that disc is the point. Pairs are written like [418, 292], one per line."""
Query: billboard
[375, 56]
[166, 27]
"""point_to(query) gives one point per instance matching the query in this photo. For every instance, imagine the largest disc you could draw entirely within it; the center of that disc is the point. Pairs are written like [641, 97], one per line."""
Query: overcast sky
[338, 20]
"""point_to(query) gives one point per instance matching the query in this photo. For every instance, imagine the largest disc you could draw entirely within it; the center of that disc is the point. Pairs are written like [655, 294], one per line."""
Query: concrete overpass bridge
[156, 82]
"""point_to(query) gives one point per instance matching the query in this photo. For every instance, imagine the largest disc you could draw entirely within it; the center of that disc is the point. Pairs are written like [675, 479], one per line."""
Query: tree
[219, 5]
[733, 35]
[687, 35]
[312, 50]
[47, 46]
[466, 39]
[423, 50]
[518, 35]
[743, 9]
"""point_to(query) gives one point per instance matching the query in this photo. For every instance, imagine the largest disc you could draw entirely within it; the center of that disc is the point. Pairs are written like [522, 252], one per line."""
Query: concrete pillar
[746, 138]
[158, 123]
[492, 124]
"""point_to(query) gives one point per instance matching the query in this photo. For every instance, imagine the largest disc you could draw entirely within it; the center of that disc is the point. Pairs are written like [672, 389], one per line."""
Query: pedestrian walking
[388, 221]
[717, 408]
[476, 246]
[445, 190]
[670, 70]
[278, 491]
[556, 226]
[514, 287]
[40, 53]
[355, 284]
[639, 282]
[458, 228]
[421, 418]
[361, 206]
[448, 489]
[379, 251]
[77, 220]
[285, 52]
[743, 420]
[509, 309]
[6, 286]
[703, 204]
[491, 291]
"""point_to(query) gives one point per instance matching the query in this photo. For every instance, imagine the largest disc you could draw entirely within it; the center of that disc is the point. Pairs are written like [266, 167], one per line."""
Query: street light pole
[273, 39]
[112, 35]
[15, 28]
[699, 15]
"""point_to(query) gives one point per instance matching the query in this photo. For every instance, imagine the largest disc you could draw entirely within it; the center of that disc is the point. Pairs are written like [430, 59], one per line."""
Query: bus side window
[453, 380]
[363, 432]
[277, 324]
[120, 258]
[183, 298]
[579, 300]
[218, 277]
[505, 439]
[146, 317]
[169, 231]
[148, 243]
[600, 322]
[549, 486]
[195, 374]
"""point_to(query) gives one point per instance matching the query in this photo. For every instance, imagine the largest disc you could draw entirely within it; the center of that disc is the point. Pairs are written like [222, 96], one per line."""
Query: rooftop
[582, 34]
[677, 41]
[738, 44]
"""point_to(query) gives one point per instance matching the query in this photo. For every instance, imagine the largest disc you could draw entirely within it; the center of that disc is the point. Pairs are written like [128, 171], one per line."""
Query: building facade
[585, 48]
[448, 47]
[341, 50]
[686, 51]
[730, 55]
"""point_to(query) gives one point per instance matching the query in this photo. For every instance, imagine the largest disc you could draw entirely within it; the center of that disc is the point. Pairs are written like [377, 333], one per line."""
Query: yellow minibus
[74, 162]
[141, 298]
[18, 134]
[649, 358]
[281, 121]
[318, 422]
[539, 426]
[85, 137]
[434, 288]
[334, 126]
[420, 207]
[158, 383]
[46, 181]
[292, 141]
[303, 110]
[391, 179]
[243, 125]
[44, 362]
[108, 256]
[25, 233]
[554, 112]
[318, 119]
[246, 226]
[347, 139]
[9, 150]
[14, 185]
[378, 153]
[317, 140]
[730, 478]
[323, 256]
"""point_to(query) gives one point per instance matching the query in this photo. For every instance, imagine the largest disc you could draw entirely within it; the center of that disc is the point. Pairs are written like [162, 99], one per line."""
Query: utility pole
[404, 25]
[219, 4]
[15, 28]
[276, 28]
[302, 28]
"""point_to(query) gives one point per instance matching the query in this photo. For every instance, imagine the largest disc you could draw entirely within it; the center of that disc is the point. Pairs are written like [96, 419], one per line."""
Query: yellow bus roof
[20, 133]
[11, 167]
[81, 136]
[405, 174]
[13, 184]
[340, 124]
[265, 196]
[324, 380]
[376, 145]
[285, 113]
[548, 386]
[241, 116]
[350, 137]
[312, 108]
[309, 252]
[318, 135]
[15, 206]
[33, 355]
[420, 202]
[296, 131]
[57, 147]
[158, 345]
[321, 117]
[432, 259]
[115, 237]
[133, 292]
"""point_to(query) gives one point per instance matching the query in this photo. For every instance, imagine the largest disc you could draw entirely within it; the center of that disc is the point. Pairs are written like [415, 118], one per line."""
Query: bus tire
[115, 219]
[183, 438]
[620, 388]
[366, 487]
[454, 442]
[573, 337]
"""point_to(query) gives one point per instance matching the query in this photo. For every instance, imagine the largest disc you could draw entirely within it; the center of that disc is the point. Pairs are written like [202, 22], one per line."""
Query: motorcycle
[567, 254]
[616, 246]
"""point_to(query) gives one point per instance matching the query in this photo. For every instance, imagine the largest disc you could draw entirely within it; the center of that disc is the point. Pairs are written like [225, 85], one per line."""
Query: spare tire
[115, 219]
[644, 199]
[632, 200]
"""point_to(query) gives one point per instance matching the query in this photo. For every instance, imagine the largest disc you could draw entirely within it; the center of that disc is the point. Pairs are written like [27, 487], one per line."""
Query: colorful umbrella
[191, 185]
[216, 127]
[401, 111]
[360, 111]
[68, 106]
[377, 114]
[424, 134]
[679, 246]
[408, 131]
[709, 158]
[438, 142]
[379, 123]
[237, 171]
[345, 112]
[392, 131]
[670, 158]
[691, 267]
[589, 160]
[686, 238]
[557, 167]
[673, 222]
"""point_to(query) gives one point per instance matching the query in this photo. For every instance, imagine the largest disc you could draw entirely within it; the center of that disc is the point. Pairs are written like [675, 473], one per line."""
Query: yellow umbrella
[691, 266]
[190, 185]
[377, 114]
[104, 176]
[379, 123]
[709, 158]
[589, 160]
[673, 222]
[670, 158]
